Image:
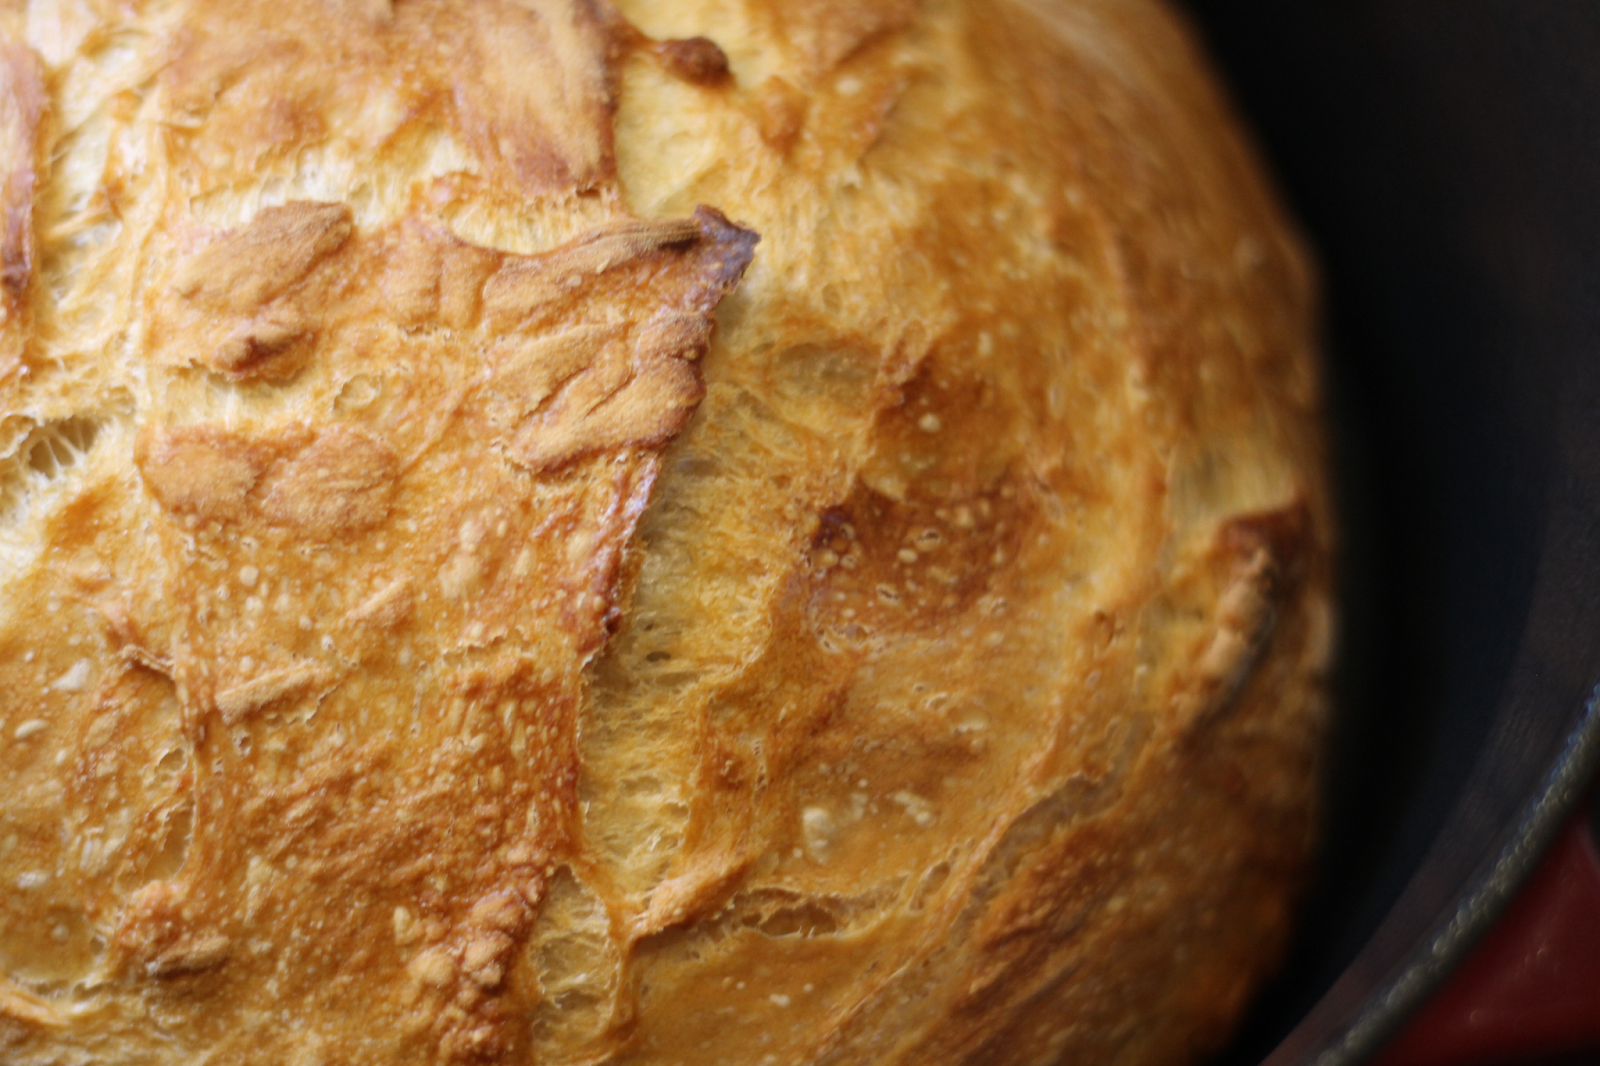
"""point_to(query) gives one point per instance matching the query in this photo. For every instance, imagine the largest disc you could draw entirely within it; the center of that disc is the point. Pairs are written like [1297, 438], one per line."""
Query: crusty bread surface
[660, 532]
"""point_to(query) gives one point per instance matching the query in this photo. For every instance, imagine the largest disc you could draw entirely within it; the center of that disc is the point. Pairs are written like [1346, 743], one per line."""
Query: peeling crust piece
[190, 957]
[29, 1009]
[641, 386]
[524, 286]
[201, 471]
[243, 270]
[257, 281]
[339, 483]
[1263, 556]
[237, 701]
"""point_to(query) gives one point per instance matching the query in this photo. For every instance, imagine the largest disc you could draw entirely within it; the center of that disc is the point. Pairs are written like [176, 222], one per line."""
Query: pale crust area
[464, 599]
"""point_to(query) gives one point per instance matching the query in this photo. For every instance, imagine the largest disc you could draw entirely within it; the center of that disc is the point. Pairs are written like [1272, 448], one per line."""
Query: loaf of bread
[645, 531]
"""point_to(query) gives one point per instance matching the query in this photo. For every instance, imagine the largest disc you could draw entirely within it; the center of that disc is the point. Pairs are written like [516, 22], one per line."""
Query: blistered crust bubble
[571, 531]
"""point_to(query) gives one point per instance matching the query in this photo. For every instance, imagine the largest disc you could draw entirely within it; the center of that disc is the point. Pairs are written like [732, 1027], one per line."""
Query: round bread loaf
[649, 531]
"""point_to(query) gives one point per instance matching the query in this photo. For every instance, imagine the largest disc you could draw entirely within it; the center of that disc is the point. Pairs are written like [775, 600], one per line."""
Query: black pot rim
[1359, 1036]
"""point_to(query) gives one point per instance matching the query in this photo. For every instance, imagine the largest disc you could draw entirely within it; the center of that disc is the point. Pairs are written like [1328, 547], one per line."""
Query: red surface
[1531, 989]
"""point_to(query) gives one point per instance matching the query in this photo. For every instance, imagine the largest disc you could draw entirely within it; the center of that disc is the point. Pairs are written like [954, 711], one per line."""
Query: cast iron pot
[1444, 157]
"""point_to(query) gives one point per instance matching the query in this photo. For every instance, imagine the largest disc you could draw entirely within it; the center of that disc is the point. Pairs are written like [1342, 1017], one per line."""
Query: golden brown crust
[22, 103]
[464, 601]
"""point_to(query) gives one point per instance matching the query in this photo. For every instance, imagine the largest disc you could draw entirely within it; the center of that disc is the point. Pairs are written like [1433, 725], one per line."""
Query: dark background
[1444, 158]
